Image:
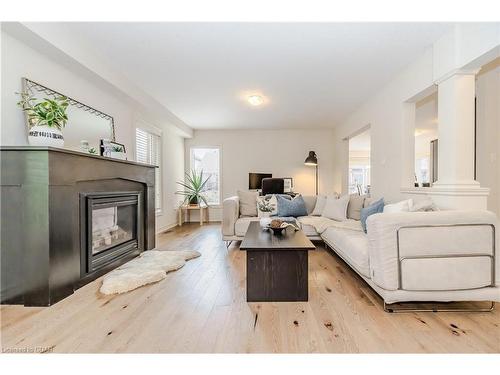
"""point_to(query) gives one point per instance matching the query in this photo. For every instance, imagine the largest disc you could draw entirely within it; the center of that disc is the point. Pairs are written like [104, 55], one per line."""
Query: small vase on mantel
[43, 135]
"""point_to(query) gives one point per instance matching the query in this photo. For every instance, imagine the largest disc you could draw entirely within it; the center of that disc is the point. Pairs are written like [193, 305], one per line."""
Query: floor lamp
[312, 160]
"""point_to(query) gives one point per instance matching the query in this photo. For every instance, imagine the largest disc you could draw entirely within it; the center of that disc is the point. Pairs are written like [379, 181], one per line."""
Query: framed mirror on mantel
[85, 124]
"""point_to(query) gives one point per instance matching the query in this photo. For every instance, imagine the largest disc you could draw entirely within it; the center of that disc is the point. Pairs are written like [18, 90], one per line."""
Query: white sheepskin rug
[151, 266]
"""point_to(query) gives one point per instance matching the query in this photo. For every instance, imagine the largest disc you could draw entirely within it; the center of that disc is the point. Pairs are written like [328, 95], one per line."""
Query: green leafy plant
[49, 112]
[117, 149]
[93, 151]
[194, 186]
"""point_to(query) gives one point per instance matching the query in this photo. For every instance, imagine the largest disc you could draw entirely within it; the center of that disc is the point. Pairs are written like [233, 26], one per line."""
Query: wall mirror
[84, 122]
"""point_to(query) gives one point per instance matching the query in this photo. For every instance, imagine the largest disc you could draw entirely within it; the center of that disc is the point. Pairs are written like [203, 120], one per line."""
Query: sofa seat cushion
[309, 230]
[242, 224]
[351, 245]
[306, 225]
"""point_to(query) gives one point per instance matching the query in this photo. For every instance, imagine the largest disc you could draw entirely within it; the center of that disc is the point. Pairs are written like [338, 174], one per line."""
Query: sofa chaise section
[434, 256]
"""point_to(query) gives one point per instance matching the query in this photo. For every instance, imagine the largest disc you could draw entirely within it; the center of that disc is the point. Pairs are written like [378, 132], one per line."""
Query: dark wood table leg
[277, 275]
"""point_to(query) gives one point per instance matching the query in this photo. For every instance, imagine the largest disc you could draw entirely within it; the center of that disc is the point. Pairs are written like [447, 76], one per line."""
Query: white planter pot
[43, 135]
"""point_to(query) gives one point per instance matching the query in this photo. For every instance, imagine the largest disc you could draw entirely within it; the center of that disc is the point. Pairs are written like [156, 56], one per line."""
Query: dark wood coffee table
[277, 265]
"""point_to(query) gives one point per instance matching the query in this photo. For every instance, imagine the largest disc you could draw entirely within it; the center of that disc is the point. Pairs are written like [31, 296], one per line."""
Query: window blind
[148, 151]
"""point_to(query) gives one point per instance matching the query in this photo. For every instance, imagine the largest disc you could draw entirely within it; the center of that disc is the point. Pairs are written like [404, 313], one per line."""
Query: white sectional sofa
[439, 256]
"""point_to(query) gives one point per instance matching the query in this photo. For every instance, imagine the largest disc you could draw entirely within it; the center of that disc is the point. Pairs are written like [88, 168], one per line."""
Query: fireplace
[111, 228]
[72, 216]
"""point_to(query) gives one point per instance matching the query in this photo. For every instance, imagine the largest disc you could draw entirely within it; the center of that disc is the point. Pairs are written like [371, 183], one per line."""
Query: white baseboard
[166, 227]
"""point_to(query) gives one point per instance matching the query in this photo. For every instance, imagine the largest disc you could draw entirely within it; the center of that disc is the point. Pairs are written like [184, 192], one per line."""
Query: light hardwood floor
[202, 308]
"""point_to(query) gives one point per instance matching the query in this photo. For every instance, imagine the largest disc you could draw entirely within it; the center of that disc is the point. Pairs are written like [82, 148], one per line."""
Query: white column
[456, 132]
[456, 187]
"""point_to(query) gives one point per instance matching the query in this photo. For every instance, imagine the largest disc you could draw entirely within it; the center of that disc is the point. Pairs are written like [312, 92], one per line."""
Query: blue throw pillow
[374, 208]
[295, 207]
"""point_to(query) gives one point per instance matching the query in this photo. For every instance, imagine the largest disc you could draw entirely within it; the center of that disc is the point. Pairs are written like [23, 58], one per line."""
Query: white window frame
[220, 168]
[157, 132]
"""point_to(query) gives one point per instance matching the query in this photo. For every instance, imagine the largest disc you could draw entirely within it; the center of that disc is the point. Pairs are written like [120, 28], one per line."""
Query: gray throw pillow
[248, 202]
[355, 205]
[291, 208]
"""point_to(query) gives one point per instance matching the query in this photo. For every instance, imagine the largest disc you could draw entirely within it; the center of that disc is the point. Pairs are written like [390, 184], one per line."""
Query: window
[207, 159]
[148, 151]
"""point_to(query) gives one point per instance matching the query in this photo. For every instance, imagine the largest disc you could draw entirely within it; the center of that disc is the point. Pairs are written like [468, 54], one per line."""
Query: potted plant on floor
[46, 119]
[194, 186]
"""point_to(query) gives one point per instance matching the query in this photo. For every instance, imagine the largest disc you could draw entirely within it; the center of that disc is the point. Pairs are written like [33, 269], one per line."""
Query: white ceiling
[312, 75]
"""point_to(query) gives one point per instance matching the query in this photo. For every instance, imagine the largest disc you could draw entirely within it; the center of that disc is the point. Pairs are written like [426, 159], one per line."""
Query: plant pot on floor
[43, 135]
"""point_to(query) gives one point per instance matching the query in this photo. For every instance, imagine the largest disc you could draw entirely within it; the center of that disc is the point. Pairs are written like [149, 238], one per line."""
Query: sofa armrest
[397, 237]
[230, 213]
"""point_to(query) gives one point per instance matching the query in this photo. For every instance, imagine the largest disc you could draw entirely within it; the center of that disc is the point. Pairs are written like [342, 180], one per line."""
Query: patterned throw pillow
[374, 208]
[295, 207]
[267, 206]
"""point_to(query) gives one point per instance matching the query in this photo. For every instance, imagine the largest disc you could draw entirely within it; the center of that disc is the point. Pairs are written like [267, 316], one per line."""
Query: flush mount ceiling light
[255, 100]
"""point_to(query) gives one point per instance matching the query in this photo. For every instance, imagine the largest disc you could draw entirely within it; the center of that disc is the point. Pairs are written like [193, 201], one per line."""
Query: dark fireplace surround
[68, 218]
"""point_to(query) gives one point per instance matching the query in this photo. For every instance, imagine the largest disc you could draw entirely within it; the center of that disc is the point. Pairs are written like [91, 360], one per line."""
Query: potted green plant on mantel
[46, 119]
[194, 186]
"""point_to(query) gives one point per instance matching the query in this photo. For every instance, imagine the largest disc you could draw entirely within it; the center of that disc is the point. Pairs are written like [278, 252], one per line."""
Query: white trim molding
[453, 198]
[454, 191]
[455, 72]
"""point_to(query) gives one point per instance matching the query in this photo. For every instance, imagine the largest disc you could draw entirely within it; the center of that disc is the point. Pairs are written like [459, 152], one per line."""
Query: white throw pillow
[248, 202]
[425, 204]
[272, 203]
[336, 209]
[403, 206]
[320, 205]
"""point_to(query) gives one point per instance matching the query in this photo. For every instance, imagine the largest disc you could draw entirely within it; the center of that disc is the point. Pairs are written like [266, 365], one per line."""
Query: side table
[185, 212]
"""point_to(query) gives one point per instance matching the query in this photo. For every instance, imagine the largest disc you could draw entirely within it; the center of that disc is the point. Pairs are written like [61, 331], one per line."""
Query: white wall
[280, 152]
[392, 142]
[22, 60]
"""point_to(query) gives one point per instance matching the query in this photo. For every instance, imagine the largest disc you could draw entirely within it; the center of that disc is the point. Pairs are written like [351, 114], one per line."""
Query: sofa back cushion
[355, 205]
[248, 202]
[291, 208]
[336, 209]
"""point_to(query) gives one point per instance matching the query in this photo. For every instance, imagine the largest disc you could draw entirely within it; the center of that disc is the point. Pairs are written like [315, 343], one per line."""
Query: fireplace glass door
[112, 227]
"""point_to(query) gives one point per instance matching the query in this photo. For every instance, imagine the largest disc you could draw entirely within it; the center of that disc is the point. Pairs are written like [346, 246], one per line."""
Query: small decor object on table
[278, 226]
[46, 119]
[113, 149]
[84, 146]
